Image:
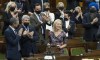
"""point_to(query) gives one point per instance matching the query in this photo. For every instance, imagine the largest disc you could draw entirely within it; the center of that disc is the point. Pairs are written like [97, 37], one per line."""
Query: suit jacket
[79, 21]
[90, 29]
[71, 31]
[7, 17]
[12, 41]
[57, 14]
[35, 22]
[27, 44]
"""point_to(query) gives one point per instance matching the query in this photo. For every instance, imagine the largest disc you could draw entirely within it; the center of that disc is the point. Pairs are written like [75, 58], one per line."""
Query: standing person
[91, 21]
[10, 11]
[38, 20]
[68, 25]
[78, 15]
[18, 5]
[28, 38]
[50, 16]
[12, 40]
[59, 14]
[58, 36]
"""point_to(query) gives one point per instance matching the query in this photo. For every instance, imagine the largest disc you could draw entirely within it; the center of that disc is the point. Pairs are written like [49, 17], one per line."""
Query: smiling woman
[58, 36]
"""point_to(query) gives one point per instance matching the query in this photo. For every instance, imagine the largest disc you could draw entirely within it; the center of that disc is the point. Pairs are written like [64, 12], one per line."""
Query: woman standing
[58, 36]
[10, 11]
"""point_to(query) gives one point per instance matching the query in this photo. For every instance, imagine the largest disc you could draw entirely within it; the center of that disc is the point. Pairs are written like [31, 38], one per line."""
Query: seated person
[58, 36]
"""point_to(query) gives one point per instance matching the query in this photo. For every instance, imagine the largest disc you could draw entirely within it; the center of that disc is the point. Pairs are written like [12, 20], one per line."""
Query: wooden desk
[41, 58]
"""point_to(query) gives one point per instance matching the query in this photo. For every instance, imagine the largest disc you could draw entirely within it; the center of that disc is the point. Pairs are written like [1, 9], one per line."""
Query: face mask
[12, 8]
[46, 9]
[38, 12]
[61, 8]
[92, 10]
[26, 24]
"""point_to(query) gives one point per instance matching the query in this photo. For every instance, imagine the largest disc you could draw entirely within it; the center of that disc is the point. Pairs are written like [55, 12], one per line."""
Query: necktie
[40, 18]
[15, 32]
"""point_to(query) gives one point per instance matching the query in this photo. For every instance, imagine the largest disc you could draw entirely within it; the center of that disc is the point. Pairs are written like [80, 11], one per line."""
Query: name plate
[49, 57]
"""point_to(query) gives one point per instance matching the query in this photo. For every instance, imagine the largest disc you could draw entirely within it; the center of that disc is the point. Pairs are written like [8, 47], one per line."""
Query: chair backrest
[91, 45]
[79, 30]
[76, 47]
[78, 51]
[93, 53]
[75, 43]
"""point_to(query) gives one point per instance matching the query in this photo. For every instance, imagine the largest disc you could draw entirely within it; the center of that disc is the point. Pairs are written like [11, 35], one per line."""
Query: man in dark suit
[68, 25]
[28, 38]
[12, 40]
[91, 21]
[38, 21]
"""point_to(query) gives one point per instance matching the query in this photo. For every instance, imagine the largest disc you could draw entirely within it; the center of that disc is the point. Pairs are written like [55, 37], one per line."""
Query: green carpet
[2, 56]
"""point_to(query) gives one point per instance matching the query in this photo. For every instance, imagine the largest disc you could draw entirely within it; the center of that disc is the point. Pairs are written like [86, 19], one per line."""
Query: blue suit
[12, 40]
[27, 44]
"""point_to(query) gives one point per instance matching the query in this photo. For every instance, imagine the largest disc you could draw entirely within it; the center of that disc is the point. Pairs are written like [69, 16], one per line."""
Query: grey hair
[25, 17]
[13, 21]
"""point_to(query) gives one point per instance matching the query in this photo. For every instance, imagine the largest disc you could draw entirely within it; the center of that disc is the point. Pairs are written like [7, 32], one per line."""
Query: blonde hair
[46, 4]
[54, 24]
[9, 5]
[79, 8]
[60, 4]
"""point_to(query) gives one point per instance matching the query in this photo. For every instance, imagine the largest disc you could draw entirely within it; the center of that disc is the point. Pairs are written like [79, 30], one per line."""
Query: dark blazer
[6, 18]
[27, 44]
[12, 41]
[71, 31]
[57, 14]
[90, 30]
[34, 22]
[79, 21]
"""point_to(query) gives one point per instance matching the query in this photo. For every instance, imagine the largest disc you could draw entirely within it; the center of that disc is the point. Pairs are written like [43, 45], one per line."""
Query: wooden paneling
[52, 5]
